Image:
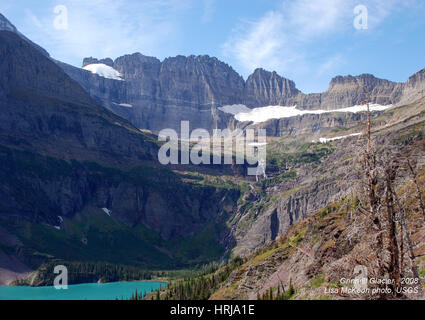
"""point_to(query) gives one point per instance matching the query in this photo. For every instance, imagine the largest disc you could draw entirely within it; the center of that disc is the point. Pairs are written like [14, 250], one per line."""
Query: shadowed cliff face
[157, 95]
[44, 110]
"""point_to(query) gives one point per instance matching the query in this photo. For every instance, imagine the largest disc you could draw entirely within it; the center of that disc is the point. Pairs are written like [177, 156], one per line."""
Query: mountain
[301, 234]
[322, 249]
[42, 105]
[156, 95]
[79, 183]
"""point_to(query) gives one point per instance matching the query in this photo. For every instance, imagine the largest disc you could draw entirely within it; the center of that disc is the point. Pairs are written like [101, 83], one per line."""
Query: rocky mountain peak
[199, 62]
[418, 77]
[268, 88]
[107, 61]
[6, 25]
[362, 80]
[137, 66]
[286, 86]
[414, 88]
[260, 72]
[349, 79]
[35, 72]
[136, 58]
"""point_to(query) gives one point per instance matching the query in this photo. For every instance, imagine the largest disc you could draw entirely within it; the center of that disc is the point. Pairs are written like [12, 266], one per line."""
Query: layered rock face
[265, 88]
[414, 88]
[156, 95]
[350, 91]
[310, 123]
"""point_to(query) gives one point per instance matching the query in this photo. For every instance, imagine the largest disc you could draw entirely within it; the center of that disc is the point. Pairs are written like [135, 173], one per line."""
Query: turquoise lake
[87, 291]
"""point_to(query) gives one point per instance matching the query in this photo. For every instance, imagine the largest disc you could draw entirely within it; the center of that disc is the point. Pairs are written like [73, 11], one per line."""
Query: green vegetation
[318, 281]
[422, 272]
[417, 134]
[277, 294]
[90, 235]
[88, 272]
[286, 176]
[200, 287]
[283, 154]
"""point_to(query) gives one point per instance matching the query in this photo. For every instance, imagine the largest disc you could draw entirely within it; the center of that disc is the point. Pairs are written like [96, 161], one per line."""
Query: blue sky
[308, 41]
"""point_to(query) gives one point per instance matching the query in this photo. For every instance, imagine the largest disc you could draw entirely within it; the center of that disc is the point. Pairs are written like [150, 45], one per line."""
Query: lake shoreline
[86, 291]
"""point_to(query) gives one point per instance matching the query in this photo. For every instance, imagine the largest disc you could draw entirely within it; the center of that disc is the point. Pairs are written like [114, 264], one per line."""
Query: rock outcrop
[265, 88]
[350, 91]
[157, 95]
[414, 88]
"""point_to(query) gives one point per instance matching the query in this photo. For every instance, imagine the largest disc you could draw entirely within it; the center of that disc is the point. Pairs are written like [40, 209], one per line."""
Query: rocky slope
[311, 259]
[322, 173]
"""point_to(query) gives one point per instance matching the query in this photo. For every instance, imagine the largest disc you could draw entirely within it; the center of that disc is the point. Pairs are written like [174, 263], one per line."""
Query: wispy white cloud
[260, 44]
[109, 28]
[281, 40]
[379, 10]
[209, 7]
[330, 65]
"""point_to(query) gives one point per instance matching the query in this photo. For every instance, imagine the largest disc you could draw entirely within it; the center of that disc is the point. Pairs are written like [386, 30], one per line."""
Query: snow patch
[235, 109]
[326, 140]
[104, 71]
[257, 144]
[126, 105]
[264, 114]
[107, 211]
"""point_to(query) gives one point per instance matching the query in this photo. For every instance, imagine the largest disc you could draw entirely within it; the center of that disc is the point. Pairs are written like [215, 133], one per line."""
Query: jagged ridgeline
[155, 95]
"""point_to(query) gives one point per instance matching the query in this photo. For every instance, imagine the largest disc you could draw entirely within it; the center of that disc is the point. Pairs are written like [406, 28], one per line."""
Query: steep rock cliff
[157, 95]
